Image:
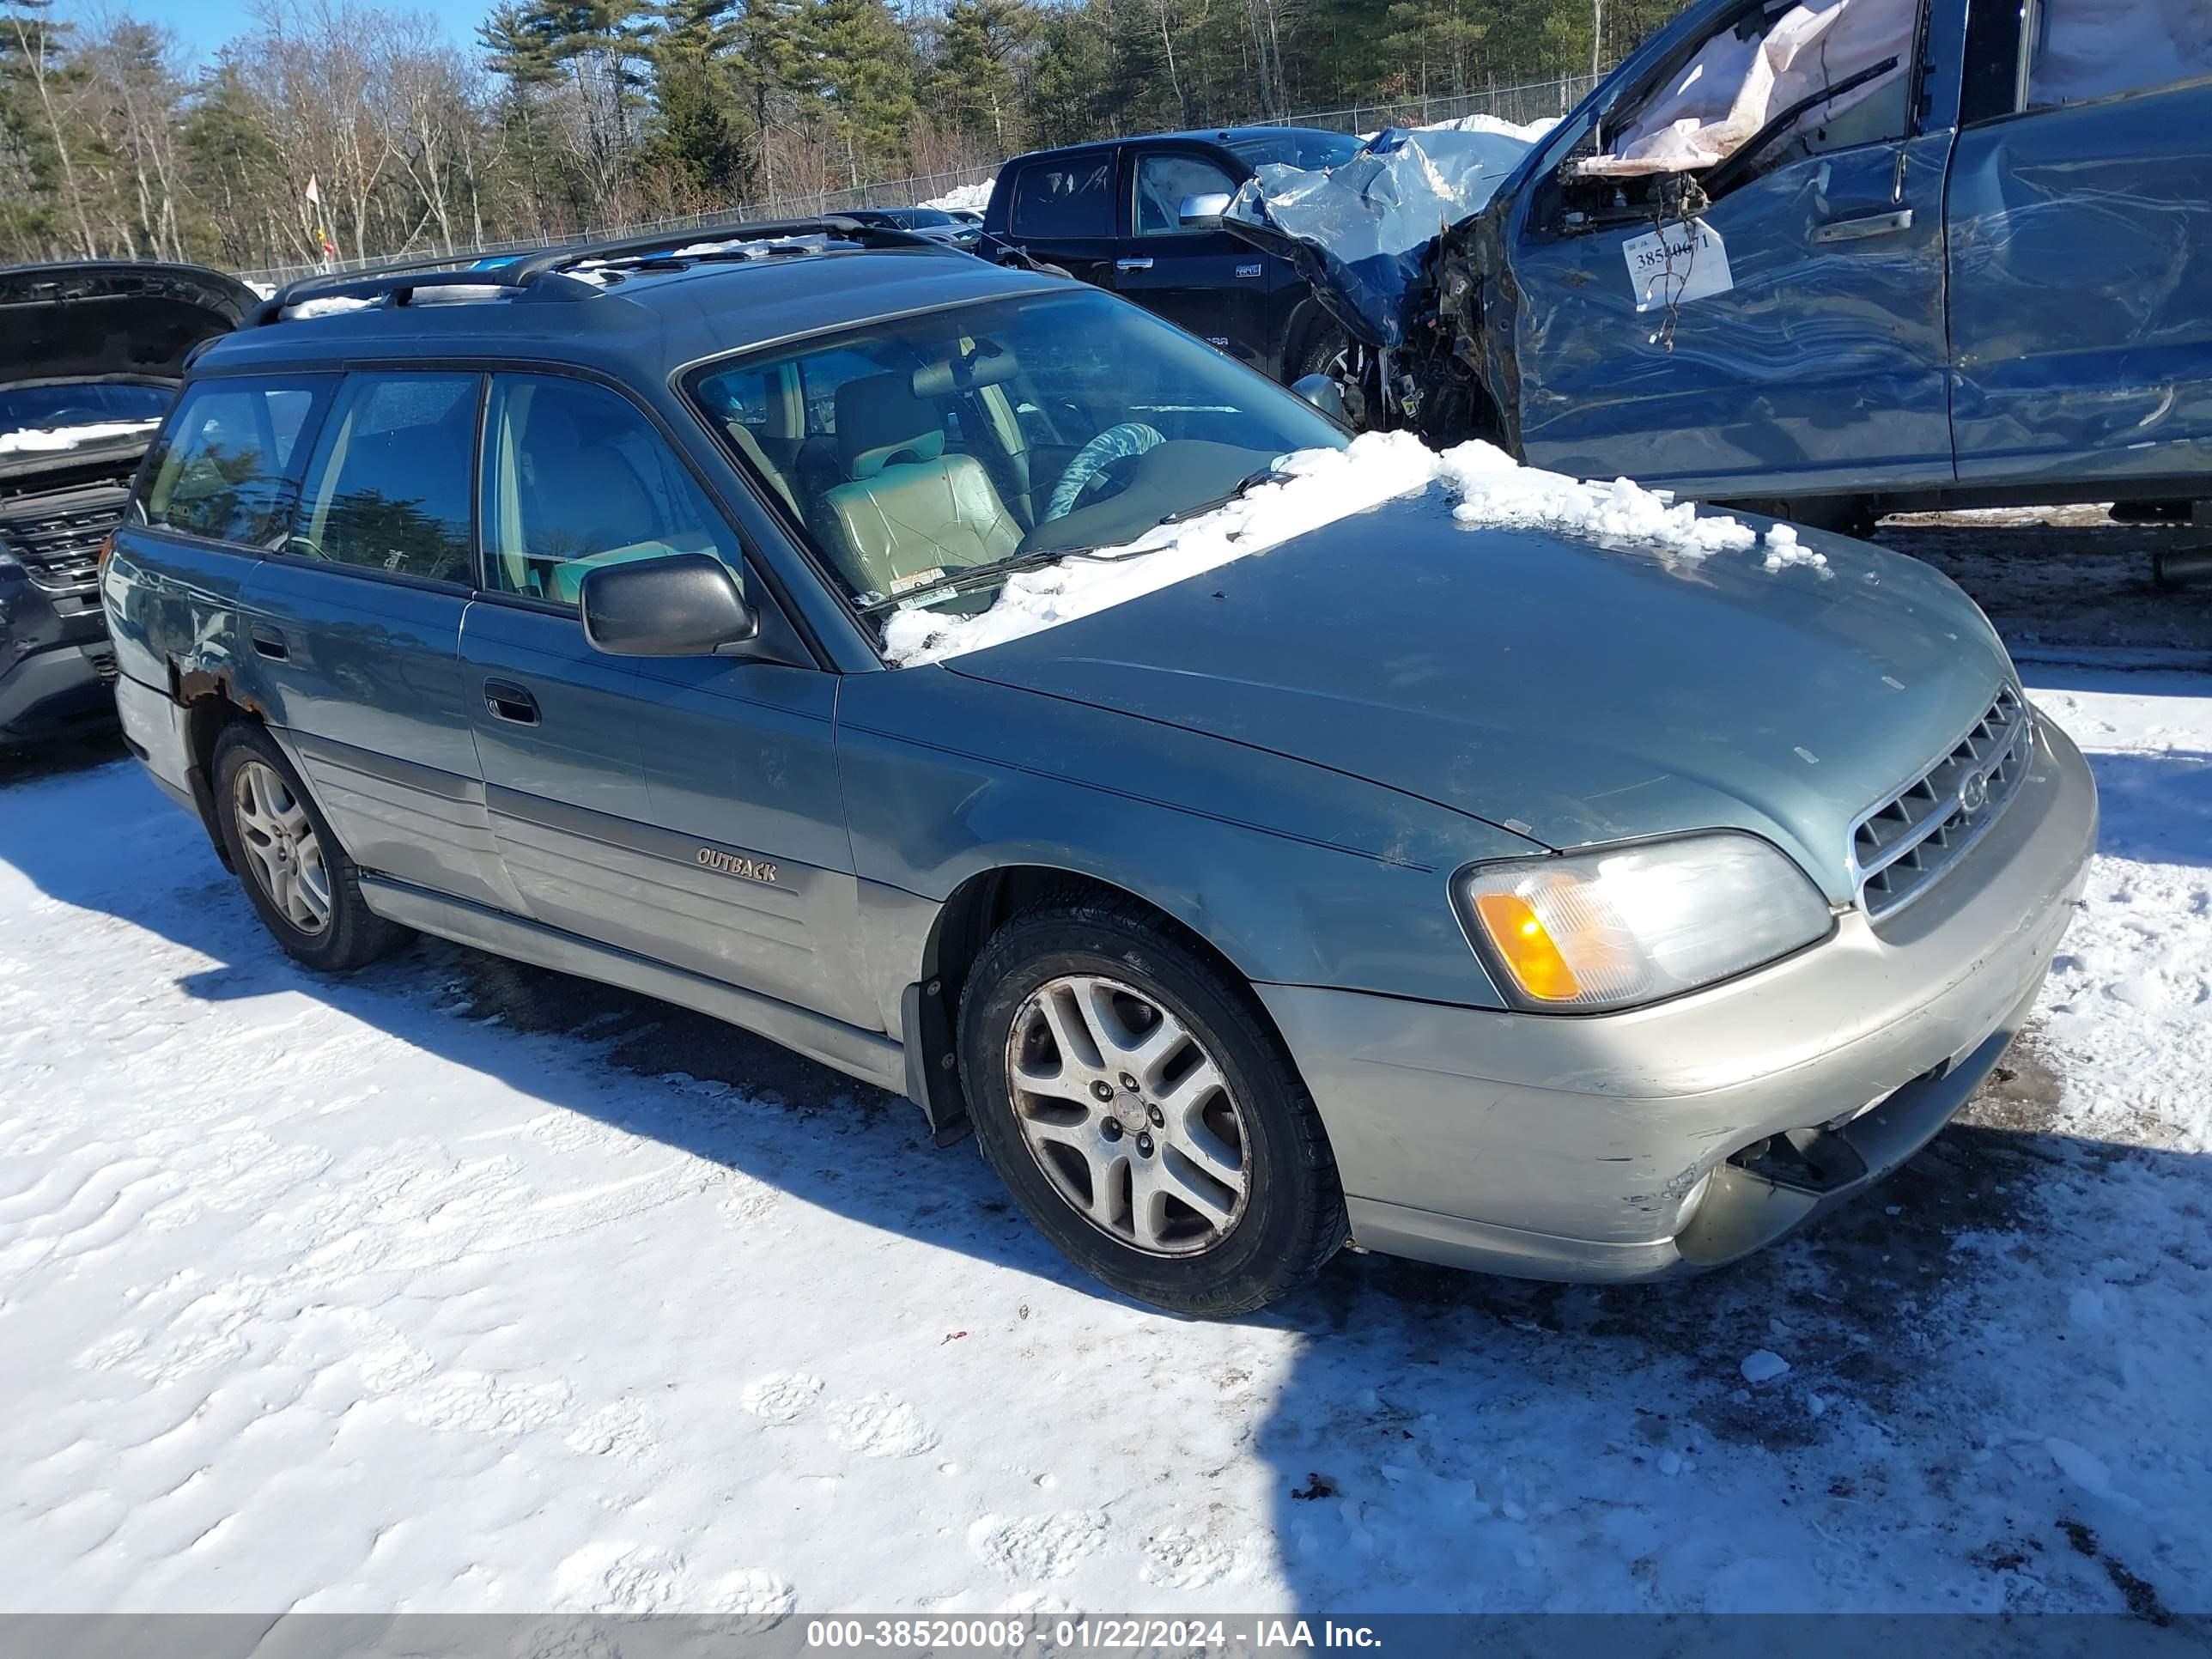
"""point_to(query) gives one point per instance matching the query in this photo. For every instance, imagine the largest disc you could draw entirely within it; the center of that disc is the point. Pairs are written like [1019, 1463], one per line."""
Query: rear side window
[391, 485]
[2082, 50]
[576, 477]
[228, 464]
[1065, 198]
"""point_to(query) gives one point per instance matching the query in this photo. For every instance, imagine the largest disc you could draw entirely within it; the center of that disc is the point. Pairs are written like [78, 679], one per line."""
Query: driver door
[686, 809]
[1809, 352]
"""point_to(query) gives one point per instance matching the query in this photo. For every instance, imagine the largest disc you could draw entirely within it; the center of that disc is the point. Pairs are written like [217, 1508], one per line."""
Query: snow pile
[1316, 487]
[964, 199]
[1527, 131]
[38, 441]
[328, 305]
[1495, 490]
[1784, 549]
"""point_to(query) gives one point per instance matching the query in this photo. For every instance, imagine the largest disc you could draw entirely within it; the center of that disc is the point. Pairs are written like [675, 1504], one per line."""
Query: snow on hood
[328, 306]
[47, 440]
[1316, 486]
[964, 199]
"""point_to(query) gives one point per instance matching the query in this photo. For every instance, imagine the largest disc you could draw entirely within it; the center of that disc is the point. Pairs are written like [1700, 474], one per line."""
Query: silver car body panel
[1576, 1148]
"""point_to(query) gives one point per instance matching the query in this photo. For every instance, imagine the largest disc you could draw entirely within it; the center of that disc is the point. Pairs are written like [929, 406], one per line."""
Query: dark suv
[1142, 216]
[89, 358]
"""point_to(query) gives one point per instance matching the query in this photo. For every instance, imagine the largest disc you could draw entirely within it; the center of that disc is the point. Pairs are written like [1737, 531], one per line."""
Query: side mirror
[1322, 393]
[684, 605]
[1203, 212]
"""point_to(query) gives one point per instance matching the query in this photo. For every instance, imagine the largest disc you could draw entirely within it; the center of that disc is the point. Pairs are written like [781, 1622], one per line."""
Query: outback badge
[734, 864]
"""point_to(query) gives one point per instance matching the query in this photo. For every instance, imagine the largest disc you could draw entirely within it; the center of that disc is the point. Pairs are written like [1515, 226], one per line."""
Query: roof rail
[399, 284]
[668, 244]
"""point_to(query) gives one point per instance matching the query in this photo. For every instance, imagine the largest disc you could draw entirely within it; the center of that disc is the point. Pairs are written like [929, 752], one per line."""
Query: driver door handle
[1145, 264]
[269, 642]
[511, 702]
[1858, 230]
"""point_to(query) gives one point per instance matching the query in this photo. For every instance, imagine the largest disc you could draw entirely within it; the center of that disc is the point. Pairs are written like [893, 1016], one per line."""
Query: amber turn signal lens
[1531, 957]
[106, 552]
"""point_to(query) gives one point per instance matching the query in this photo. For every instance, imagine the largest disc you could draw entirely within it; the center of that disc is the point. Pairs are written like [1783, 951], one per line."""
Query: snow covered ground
[459, 1284]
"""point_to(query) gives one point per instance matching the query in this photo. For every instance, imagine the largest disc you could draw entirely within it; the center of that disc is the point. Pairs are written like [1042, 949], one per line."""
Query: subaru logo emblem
[1974, 792]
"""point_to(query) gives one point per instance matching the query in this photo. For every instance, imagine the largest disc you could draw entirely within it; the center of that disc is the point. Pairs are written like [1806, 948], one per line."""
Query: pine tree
[977, 48]
[865, 63]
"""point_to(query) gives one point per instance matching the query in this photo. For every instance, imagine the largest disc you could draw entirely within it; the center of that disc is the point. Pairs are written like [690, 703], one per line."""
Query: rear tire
[1208, 1188]
[305, 888]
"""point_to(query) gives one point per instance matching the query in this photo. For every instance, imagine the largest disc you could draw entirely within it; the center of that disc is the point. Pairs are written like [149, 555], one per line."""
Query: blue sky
[204, 25]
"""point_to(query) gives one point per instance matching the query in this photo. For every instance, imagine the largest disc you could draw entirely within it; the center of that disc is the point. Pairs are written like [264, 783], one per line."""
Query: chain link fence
[1536, 101]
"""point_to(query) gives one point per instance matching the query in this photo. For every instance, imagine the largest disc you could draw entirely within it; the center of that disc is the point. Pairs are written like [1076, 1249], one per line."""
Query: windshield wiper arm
[1250, 482]
[953, 580]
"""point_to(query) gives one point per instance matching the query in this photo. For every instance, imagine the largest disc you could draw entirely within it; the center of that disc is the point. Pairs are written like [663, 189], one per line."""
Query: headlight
[1611, 929]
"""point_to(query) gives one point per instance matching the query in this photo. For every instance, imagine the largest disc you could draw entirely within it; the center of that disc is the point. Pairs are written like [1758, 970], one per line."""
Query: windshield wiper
[1245, 485]
[953, 580]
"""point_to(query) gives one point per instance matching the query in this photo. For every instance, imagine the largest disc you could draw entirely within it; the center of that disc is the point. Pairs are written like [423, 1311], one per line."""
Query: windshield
[81, 402]
[930, 456]
[1308, 151]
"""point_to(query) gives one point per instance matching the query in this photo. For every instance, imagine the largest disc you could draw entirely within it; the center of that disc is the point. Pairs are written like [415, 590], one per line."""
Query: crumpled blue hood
[1368, 223]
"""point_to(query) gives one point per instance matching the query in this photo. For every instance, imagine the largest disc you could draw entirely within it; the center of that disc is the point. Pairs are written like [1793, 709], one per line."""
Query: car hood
[1571, 691]
[81, 321]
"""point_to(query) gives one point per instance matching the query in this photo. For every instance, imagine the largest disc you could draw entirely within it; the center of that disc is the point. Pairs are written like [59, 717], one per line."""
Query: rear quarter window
[1064, 198]
[226, 467]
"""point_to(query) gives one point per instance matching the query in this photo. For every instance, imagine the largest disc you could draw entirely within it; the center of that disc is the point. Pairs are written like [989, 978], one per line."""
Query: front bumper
[58, 690]
[1599, 1147]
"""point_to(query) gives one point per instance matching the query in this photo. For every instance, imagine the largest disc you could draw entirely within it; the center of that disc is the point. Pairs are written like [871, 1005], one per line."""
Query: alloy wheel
[1128, 1115]
[280, 844]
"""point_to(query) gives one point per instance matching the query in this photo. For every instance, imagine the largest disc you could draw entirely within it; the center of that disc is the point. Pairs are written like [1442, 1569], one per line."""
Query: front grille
[57, 538]
[1903, 847]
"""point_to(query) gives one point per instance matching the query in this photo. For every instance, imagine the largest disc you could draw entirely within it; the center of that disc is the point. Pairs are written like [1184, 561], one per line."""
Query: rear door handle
[269, 642]
[512, 703]
[1134, 265]
[1858, 230]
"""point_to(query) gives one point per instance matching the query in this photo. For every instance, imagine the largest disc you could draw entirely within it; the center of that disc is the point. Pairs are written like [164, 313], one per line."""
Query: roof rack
[669, 244]
[399, 285]
[545, 273]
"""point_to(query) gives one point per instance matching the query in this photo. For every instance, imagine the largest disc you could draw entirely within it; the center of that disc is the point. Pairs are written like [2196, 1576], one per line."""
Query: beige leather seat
[907, 510]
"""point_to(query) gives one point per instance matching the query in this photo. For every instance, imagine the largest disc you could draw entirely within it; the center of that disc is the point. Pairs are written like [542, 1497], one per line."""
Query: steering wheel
[1115, 443]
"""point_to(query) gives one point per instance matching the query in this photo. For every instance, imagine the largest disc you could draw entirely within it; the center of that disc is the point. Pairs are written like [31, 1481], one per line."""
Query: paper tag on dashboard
[1673, 266]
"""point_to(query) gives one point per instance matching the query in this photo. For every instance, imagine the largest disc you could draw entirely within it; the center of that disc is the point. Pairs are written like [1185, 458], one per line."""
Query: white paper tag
[1683, 263]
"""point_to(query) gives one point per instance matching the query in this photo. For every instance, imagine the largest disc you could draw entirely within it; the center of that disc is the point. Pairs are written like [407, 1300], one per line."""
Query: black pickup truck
[1142, 216]
[90, 357]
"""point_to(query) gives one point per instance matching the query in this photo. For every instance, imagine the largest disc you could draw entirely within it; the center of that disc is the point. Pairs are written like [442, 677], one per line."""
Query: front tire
[1140, 1109]
[1317, 353]
[305, 888]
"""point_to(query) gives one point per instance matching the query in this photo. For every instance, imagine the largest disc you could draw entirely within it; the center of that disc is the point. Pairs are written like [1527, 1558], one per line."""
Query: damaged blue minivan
[1830, 257]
